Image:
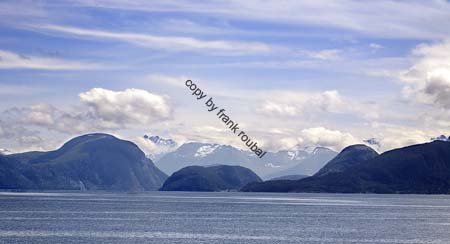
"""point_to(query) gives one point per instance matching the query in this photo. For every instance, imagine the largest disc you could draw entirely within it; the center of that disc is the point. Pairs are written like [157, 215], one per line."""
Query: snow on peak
[291, 155]
[4, 151]
[296, 155]
[312, 150]
[161, 141]
[203, 151]
[271, 165]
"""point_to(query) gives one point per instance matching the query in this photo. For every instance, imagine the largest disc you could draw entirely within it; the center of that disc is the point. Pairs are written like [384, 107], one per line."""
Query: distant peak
[319, 149]
[161, 141]
[194, 144]
[441, 138]
[4, 151]
[205, 150]
[312, 149]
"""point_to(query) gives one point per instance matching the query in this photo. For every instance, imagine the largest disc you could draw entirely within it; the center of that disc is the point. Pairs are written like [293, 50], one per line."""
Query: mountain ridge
[202, 154]
[417, 169]
[95, 161]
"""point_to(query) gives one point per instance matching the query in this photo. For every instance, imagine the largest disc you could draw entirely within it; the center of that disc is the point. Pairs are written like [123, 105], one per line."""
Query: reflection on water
[171, 217]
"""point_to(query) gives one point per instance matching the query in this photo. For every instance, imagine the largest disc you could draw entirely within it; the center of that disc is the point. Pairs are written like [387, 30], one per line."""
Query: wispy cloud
[170, 43]
[327, 54]
[395, 19]
[10, 60]
[324, 65]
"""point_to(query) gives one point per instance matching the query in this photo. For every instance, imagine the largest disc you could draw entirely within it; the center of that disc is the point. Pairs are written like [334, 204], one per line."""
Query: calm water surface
[174, 217]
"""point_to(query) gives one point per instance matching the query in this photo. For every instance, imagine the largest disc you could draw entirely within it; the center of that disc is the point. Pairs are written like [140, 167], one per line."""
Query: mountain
[417, 169]
[441, 138]
[290, 177]
[93, 162]
[213, 178]
[159, 146]
[4, 151]
[310, 164]
[350, 156]
[12, 176]
[273, 164]
[161, 141]
[202, 154]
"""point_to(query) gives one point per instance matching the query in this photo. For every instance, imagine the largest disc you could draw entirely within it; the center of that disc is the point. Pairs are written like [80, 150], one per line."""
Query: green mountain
[349, 157]
[212, 178]
[417, 169]
[93, 162]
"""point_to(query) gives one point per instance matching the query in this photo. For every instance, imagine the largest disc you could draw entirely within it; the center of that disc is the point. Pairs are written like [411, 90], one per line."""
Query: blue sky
[293, 73]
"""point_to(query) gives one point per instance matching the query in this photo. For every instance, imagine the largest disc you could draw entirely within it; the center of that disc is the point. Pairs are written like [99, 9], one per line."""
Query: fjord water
[178, 217]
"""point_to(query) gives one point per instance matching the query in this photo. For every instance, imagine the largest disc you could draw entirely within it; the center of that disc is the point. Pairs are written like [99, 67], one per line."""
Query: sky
[291, 73]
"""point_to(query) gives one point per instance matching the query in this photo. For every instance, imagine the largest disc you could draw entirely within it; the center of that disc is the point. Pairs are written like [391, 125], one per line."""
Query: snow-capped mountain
[204, 154]
[161, 141]
[441, 138]
[203, 151]
[309, 165]
[158, 146]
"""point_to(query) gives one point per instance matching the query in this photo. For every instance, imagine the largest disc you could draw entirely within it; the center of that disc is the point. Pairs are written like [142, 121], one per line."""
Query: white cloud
[51, 118]
[16, 133]
[401, 136]
[330, 101]
[10, 60]
[102, 109]
[327, 54]
[40, 114]
[333, 139]
[281, 143]
[428, 80]
[131, 106]
[170, 43]
[276, 109]
[297, 104]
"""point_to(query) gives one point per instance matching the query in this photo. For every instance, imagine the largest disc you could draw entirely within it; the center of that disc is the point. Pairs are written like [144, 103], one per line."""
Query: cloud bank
[100, 109]
[428, 80]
